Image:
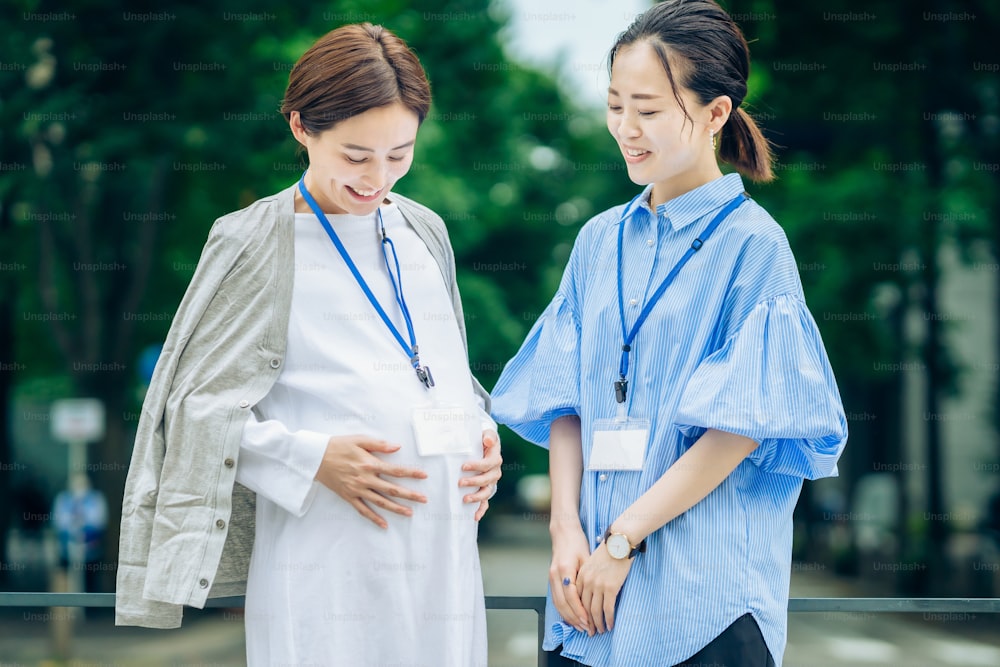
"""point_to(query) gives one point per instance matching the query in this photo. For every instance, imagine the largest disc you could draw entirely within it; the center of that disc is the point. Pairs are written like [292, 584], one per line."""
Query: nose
[377, 175]
[628, 126]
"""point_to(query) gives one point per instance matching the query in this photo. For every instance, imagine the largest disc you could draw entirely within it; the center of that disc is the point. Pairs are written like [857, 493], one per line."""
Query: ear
[718, 111]
[298, 130]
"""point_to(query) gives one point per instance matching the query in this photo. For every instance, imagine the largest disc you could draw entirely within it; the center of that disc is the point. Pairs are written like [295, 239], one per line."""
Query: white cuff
[279, 464]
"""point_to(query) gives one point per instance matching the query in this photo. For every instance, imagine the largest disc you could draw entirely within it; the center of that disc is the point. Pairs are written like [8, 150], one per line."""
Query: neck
[301, 206]
[664, 191]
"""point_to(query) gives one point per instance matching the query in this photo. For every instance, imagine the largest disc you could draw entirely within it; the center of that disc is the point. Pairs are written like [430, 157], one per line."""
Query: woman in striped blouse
[677, 377]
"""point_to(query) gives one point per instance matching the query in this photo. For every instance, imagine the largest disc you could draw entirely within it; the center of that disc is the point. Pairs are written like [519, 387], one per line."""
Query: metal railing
[537, 604]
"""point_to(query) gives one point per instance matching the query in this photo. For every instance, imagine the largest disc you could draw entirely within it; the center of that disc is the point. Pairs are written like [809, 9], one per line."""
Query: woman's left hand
[488, 473]
[599, 581]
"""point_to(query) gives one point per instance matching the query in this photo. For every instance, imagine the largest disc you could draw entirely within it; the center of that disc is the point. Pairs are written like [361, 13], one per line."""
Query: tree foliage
[125, 133]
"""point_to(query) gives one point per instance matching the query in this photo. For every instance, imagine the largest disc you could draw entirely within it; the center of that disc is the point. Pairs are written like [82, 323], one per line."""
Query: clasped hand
[351, 469]
[585, 585]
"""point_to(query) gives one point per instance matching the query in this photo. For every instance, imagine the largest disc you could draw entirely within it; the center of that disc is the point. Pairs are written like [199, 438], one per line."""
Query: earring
[711, 134]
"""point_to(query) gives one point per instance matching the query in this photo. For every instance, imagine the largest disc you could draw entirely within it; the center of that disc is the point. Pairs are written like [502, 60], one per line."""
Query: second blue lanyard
[621, 385]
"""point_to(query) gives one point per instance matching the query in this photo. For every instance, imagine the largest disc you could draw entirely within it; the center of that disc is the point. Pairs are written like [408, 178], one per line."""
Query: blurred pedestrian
[677, 377]
[80, 517]
[298, 367]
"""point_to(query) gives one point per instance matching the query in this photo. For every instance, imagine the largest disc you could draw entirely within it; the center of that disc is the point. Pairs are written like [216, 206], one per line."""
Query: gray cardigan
[187, 528]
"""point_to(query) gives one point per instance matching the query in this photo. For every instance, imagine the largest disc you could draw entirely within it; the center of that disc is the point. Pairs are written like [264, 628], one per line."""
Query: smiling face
[660, 144]
[354, 164]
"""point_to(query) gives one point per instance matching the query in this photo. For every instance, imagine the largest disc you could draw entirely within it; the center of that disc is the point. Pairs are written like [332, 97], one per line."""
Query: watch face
[618, 546]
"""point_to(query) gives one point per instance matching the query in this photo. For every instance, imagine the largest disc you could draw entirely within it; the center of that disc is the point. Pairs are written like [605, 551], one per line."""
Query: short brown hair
[353, 69]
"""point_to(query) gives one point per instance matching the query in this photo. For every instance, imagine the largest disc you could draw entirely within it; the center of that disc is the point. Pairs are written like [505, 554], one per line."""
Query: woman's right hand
[353, 472]
[570, 550]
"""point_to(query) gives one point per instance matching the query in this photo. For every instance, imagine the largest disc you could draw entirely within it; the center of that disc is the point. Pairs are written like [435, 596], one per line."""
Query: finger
[576, 607]
[372, 497]
[482, 494]
[481, 512]
[566, 611]
[368, 513]
[490, 439]
[487, 479]
[391, 490]
[586, 598]
[609, 610]
[574, 602]
[373, 445]
[559, 594]
[478, 465]
[597, 611]
[383, 468]
[490, 459]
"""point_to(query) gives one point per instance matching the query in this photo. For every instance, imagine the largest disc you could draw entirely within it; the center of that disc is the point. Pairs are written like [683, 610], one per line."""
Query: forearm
[695, 474]
[565, 472]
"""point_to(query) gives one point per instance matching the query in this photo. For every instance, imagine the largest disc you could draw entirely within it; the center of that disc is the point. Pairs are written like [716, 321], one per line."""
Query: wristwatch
[619, 546]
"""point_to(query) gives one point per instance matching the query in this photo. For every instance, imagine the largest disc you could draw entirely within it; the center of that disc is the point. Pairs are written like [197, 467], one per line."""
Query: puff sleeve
[771, 381]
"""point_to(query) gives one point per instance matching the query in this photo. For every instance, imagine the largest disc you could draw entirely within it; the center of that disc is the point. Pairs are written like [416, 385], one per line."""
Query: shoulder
[753, 228]
[415, 211]
[599, 226]
[431, 229]
[241, 233]
[760, 250]
[260, 214]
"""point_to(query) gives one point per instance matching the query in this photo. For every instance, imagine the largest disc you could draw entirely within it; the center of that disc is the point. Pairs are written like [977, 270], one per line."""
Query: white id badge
[619, 444]
[443, 429]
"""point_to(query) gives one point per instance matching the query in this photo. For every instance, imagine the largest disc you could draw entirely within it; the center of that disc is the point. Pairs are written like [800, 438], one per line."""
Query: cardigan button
[229, 463]
[244, 404]
[220, 524]
[203, 583]
[275, 363]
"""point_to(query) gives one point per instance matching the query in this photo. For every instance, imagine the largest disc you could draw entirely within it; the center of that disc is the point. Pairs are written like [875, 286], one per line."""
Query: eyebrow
[636, 96]
[370, 150]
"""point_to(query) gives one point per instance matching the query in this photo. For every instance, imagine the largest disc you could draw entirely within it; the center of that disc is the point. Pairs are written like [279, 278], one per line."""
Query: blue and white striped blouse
[730, 346]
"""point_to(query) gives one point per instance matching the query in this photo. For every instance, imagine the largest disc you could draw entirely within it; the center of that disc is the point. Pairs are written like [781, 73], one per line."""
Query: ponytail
[745, 147]
[712, 58]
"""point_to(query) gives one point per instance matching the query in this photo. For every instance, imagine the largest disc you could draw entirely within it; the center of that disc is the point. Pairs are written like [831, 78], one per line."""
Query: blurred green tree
[127, 133]
[885, 116]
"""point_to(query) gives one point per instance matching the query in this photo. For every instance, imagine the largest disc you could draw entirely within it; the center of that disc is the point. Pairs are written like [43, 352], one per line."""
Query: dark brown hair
[353, 69]
[711, 58]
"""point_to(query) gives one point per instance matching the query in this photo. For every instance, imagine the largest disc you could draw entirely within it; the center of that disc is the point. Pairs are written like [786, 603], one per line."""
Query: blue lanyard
[411, 350]
[621, 385]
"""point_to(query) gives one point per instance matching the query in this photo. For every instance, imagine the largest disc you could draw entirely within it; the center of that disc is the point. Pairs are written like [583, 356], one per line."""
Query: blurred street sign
[78, 419]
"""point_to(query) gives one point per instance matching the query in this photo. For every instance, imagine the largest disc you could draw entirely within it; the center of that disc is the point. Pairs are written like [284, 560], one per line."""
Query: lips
[634, 155]
[364, 195]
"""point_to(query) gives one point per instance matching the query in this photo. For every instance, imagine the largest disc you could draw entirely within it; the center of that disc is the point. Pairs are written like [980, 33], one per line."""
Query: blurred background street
[125, 134]
[515, 563]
